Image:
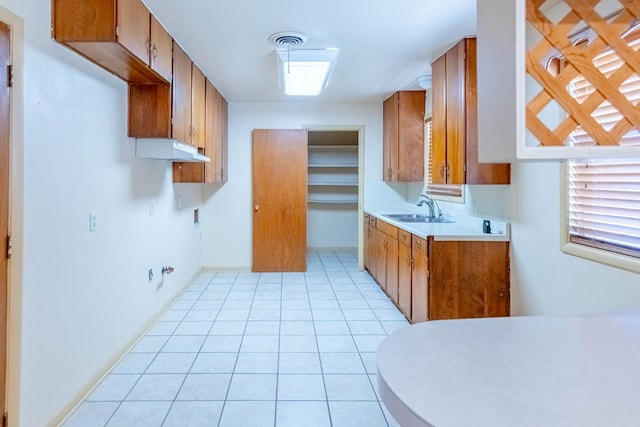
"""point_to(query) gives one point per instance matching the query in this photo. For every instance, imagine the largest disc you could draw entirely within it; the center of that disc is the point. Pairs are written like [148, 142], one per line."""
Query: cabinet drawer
[366, 219]
[404, 237]
[419, 244]
[372, 221]
[388, 229]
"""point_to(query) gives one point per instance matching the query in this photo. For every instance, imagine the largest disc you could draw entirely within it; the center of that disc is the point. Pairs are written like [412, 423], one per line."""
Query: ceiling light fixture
[302, 72]
[424, 82]
[305, 72]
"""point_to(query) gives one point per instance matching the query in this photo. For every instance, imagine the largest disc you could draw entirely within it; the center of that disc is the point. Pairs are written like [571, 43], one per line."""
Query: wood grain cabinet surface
[175, 111]
[381, 240]
[369, 243]
[468, 279]
[432, 279]
[121, 36]
[454, 132]
[215, 144]
[404, 272]
[403, 136]
[419, 280]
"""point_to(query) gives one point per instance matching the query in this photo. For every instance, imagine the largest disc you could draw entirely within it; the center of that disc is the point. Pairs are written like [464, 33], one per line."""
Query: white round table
[517, 371]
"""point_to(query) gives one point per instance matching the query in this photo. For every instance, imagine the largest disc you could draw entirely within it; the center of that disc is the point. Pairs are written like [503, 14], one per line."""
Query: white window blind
[604, 195]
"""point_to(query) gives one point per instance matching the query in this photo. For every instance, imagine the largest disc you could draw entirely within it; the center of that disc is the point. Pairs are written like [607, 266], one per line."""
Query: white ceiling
[384, 45]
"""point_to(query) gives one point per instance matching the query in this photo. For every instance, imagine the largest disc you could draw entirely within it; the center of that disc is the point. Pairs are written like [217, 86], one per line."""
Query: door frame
[16, 215]
[360, 130]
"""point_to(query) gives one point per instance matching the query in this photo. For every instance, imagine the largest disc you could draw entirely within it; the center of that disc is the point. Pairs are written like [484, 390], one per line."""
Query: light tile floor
[256, 349]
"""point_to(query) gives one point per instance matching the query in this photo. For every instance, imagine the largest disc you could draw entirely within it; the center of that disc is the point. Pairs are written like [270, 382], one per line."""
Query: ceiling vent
[288, 39]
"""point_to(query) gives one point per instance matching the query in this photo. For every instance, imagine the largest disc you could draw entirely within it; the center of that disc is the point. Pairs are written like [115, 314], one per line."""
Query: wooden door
[133, 21]
[390, 138]
[410, 157]
[181, 87]
[439, 121]
[404, 273]
[419, 281]
[161, 49]
[198, 115]
[280, 200]
[5, 151]
[456, 117]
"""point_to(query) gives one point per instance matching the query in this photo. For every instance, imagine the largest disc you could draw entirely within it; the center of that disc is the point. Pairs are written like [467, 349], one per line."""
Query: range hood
[167, 149]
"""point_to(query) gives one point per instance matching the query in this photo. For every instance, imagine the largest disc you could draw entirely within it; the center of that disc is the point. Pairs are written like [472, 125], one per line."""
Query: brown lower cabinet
[468, 279]
[432, 279]
[381, 245]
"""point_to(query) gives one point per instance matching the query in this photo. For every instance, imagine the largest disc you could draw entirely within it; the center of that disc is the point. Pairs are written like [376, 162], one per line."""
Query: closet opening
[334, 189]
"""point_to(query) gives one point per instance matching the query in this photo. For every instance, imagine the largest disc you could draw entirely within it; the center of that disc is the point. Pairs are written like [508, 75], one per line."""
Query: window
[450, 193]
[603, 200]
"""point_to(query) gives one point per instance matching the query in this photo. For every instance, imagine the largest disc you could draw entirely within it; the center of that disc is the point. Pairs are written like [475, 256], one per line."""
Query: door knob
[257, 208]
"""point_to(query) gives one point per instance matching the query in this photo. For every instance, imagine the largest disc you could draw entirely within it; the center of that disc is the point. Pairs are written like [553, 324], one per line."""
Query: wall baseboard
[96, 379]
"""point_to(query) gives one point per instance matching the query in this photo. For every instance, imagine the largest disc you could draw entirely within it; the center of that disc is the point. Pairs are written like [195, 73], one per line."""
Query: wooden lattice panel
[578, 61]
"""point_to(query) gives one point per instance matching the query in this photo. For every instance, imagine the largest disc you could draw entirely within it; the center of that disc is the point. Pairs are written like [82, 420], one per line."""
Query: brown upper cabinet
[171, 111]
[119, 35]
[454, 132]
[215, 144]
[403, 136]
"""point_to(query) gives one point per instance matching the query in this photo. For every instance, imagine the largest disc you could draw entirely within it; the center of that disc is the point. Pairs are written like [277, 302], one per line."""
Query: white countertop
[463, 228]
[517, 371]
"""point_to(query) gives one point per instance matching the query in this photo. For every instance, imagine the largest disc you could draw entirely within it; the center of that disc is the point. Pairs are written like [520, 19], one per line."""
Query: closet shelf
[334, 201]
[333, 184]
[332, 165]
[333, 148]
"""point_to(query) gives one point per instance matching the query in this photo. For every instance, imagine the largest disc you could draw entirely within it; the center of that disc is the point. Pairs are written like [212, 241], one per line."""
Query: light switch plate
[93, 221]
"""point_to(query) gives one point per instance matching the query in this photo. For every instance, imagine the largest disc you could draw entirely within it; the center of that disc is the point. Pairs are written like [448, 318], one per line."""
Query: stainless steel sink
[415, 218]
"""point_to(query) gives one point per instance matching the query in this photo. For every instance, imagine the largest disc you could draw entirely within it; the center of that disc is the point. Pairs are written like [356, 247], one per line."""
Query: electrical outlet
[93, 221]
[152, 209]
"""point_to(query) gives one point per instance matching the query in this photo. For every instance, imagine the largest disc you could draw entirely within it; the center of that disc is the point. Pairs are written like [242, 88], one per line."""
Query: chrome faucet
[431, 204]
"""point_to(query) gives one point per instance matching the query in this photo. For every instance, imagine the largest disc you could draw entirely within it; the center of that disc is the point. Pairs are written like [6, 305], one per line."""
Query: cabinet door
[419, 281]
[456, 113]
[439, 121]
[381, 259]
[477, 173]
[161, 50]
[469, 279]
[366, 241]
[133, 20]
[372, 246]
[410, 145]
[390, 138]
[198, 113]
[181, 87]
[215, 134]
[392, 268]
[404, 273]
[223, 137]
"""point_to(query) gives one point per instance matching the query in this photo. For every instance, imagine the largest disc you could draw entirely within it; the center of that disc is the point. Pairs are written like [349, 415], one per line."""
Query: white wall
[545, 280]
[227, 215]
[85, 295]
